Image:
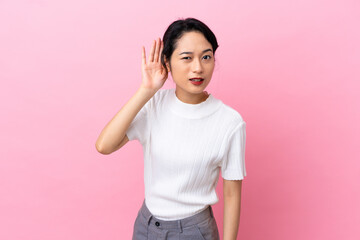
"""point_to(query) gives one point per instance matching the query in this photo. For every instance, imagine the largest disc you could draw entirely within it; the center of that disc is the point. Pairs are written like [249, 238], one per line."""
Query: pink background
[291, 68]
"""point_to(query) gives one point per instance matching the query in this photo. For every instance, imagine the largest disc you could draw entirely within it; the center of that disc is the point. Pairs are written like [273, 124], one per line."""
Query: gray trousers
[201, 226]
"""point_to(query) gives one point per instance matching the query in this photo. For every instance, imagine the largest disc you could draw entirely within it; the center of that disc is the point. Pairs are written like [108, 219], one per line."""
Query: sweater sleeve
[233, 164]
[140, 126]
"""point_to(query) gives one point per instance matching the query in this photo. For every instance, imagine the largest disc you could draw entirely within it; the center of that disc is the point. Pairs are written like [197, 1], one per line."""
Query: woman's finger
[143, 56]
[161, 49]
[156, 56]
[151, 56]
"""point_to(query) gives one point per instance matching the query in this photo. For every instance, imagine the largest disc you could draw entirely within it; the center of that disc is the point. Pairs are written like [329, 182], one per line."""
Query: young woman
[187, 135]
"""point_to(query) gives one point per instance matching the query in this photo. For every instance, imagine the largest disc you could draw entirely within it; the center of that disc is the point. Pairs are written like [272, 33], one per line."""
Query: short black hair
[177, 29]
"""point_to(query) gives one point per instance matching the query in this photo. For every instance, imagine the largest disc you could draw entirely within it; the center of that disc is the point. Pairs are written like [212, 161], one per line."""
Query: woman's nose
[197, 67]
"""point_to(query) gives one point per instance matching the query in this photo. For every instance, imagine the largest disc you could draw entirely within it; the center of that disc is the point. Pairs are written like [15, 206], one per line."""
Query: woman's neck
[191, 98]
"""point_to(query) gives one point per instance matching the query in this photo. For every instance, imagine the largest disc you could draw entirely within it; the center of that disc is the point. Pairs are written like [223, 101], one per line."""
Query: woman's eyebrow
[192, 52]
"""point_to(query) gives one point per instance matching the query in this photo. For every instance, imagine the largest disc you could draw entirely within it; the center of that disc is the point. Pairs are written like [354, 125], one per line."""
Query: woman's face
[193, 57]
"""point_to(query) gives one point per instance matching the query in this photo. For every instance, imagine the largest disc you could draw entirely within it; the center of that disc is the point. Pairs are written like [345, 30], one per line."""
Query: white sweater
[185, 146]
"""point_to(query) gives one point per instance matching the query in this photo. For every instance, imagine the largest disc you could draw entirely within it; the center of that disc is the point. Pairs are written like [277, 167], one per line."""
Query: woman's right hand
[153, 73]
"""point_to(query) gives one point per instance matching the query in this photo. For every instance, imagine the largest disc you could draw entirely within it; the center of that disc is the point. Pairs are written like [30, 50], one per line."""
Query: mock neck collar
[193, 111]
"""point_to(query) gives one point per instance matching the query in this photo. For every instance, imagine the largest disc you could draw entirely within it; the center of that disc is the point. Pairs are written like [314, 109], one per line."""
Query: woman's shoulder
[158, 99]
[231, 115]
[161, 94]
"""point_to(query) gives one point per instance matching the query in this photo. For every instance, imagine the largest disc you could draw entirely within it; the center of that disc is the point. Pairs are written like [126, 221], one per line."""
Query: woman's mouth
[196, 81]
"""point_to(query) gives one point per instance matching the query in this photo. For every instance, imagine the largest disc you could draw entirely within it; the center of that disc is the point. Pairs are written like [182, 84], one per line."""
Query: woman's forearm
[231, 217]
[232, 202]
[115, 130]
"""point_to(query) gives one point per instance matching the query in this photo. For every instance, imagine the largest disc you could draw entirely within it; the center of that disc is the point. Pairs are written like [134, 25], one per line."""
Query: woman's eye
[186, 58]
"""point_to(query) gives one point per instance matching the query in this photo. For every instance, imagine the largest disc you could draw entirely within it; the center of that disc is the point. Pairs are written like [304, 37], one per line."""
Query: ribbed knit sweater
[185, 146]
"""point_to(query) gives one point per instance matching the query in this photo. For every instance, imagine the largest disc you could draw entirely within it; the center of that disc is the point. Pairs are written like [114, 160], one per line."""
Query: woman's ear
[167, 65]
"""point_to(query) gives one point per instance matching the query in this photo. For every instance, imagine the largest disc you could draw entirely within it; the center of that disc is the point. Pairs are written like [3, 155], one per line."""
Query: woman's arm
[153, 75]
[232, 206]
[114, 132]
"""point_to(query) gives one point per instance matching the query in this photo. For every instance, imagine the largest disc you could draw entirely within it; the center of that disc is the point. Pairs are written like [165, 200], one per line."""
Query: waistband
[176, 224]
